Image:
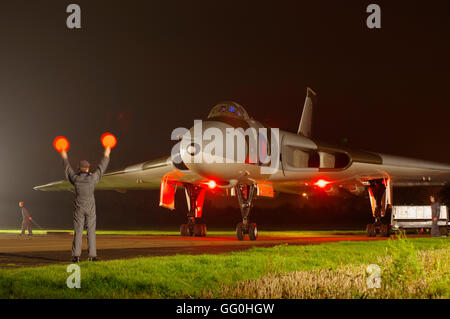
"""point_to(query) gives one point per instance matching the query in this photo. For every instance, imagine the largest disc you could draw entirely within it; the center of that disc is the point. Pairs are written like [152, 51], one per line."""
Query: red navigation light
[212, 184]
[61, 143]
[321, 183]
[108, 140]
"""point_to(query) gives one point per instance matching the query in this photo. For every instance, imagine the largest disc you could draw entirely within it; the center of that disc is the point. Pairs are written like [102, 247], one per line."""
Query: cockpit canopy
[229, 109]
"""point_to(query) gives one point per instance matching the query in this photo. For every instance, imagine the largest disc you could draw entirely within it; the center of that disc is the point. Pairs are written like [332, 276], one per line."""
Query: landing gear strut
[245, 195]
[380, 200]
[195, 197]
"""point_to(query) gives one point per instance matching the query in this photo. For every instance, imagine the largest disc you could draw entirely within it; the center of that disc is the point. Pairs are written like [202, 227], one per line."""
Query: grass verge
[425, 275]
[187, 276]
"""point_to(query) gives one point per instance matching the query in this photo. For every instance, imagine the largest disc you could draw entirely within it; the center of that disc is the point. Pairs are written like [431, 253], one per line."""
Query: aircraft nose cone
[203, 150]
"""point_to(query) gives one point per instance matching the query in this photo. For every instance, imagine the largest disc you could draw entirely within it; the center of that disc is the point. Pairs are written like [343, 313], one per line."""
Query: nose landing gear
[195, 197]
[245, 194]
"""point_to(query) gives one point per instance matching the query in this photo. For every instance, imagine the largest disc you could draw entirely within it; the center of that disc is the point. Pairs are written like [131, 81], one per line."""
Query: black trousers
[435, 229]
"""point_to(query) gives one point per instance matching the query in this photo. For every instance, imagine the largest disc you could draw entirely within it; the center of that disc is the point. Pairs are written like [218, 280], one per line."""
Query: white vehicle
[417, 217]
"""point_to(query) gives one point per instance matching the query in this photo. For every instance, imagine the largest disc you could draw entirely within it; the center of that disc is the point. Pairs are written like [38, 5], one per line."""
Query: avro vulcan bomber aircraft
[238, 156]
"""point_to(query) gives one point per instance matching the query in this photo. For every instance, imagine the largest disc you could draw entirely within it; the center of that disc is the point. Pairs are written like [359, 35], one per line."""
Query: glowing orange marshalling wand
[61, 143]
[108, 140]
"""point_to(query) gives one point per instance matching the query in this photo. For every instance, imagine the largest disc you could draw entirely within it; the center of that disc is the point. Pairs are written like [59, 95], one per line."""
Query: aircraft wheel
[370, 230]
[189, 230]
[382, 230]
[373, 231]
[252, 231]
[204, 230]
[198, 230]
[183, 230]
[240, 231]
[386, 230]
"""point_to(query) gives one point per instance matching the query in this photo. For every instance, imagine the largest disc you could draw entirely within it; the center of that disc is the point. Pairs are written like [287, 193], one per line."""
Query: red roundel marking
[108, 140]
[61, 143]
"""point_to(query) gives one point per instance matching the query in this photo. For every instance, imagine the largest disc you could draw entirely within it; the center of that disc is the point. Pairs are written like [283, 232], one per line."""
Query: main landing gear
[195, 197]
[245, 194]
[380, 200]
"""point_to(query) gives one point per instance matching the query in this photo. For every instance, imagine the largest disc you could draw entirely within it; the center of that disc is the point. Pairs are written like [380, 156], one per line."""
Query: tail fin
[304, 127]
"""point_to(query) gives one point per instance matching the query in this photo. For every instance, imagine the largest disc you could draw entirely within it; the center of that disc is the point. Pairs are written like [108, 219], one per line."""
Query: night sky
[142, 68]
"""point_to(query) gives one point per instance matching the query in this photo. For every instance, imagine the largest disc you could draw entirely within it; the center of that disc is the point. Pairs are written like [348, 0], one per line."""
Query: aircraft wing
[402, 172]
[147, 175]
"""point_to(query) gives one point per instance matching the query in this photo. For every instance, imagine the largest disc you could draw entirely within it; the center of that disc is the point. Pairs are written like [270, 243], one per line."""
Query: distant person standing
[435, 213]
[84, 205]
[26, 219]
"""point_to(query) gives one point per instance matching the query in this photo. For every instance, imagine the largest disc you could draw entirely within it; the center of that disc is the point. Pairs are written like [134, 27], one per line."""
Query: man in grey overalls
[84, 205]
[435, 213]
[26, 219]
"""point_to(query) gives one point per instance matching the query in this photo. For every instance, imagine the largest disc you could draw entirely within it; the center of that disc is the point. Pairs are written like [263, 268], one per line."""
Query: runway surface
[16, 251]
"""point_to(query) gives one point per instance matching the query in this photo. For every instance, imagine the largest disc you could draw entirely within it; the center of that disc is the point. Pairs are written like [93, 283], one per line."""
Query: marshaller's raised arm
[68, 171]
[101, 169]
